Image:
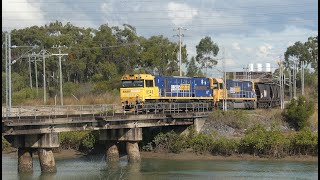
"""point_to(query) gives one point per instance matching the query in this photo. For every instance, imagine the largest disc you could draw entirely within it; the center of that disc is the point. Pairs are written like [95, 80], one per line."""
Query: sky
[247, 31]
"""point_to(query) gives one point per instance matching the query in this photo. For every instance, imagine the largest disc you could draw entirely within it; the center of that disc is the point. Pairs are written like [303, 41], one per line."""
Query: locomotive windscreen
[132, 83]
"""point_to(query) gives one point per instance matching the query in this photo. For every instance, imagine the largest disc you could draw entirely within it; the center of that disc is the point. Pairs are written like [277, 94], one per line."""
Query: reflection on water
[95, 167]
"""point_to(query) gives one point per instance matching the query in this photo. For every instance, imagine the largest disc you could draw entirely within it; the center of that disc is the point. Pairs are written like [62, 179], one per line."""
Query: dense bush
[169, 142]
[70, 88]
[225, 147]
[298, 111]
[305, 142]
[254, 141]
[201, 143]
[257, 141]
[79, 140]
[25, 94]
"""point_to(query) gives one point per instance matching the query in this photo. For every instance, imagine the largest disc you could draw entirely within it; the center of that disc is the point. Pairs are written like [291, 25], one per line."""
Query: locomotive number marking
[149, 91]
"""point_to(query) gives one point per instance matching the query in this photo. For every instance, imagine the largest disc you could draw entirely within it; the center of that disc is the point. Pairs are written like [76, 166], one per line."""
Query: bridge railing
[100, 110]
[66, 110]
[173, 108]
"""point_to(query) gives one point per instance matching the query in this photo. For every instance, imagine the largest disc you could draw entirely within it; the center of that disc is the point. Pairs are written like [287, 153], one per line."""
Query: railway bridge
[36, 128]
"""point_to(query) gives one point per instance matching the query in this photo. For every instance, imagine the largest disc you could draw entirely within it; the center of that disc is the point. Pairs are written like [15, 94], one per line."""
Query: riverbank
[247, 157]
[70, 154]
[63, 154]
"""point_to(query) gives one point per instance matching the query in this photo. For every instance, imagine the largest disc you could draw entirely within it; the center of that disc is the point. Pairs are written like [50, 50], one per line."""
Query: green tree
[297, 112]
[307, 52]
[206, 50]
[160, 55]
[192, 69]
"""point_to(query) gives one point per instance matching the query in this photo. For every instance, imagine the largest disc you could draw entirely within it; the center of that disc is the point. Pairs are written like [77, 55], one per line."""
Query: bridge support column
[25, 164]
[133, 151]
[130, 136]
[112, 154]
[47, 162]
[199, 123]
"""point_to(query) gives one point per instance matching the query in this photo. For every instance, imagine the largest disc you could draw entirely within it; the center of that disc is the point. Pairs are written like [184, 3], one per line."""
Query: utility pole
[246, 69]
[60, 72]
[290, 83]
[180, 56]
[9, 63]
[302, 78]
[30, 72]
[225, 81]
[294, 80]
[280, 82]
[36, 71]
[44, 74]
[8, 74]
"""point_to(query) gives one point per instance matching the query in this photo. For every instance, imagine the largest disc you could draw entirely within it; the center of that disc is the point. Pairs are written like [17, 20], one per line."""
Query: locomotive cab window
[221, 85]
[215, 86]
[132, 83]
[149, 83]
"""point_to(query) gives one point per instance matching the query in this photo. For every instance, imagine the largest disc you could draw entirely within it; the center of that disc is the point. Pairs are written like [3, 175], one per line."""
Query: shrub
[79, 140]
[169, 142]
[254, 141]
[148, 147]
[298, 111]
[25, 94]
[226, 147]
[89, 141]
[305, 142]
[259, 141]
[201, 143]
[277, 144]
[70, 88]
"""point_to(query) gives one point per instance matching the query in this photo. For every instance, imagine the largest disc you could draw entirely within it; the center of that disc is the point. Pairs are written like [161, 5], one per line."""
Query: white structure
[251, 67]
[259, 67]
[268, 67]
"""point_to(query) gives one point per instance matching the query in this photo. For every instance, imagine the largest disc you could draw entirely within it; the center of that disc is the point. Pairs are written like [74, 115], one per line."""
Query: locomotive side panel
[190, 88]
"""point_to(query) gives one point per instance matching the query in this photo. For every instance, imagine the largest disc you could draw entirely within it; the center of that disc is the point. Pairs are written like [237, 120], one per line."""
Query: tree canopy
[206, 50]
[307, 52]
[98, 56]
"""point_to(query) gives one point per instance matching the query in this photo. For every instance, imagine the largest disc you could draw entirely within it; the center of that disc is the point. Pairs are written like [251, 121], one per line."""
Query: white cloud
[181, 13]
[236, 46]
[260, 47]
[22, 13]
[250, 32]
[265, 49]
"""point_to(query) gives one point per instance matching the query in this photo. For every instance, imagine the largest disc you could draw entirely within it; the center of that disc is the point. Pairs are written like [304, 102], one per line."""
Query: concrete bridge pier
[112, 153]
[43, 143]
[47, 162]
[133, 151]
[25, 164]
[130, 136]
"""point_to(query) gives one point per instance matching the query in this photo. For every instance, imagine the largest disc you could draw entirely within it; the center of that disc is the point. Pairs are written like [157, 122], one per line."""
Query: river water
[95, 167]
